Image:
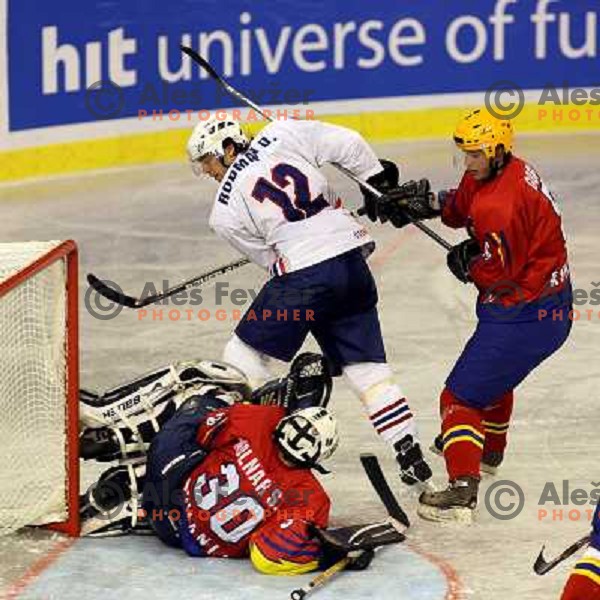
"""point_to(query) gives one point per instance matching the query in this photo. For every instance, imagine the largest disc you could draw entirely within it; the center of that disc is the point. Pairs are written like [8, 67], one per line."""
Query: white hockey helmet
[307, 436]
[208, 137]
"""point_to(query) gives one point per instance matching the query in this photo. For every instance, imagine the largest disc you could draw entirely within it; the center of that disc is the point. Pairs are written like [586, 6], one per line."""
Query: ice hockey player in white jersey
[275, 206]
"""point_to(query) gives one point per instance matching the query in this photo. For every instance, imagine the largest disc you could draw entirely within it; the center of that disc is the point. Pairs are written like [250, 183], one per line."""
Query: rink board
[400, 70]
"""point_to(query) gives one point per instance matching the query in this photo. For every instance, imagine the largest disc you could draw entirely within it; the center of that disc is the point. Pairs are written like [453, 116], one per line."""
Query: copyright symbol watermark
[100, 307]
[504, 100]
[496, 293]
[109, 496]
[504, 500]
[104, 99]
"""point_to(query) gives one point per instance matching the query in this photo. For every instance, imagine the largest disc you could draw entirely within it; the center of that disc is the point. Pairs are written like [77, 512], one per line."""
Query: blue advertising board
[283, 52]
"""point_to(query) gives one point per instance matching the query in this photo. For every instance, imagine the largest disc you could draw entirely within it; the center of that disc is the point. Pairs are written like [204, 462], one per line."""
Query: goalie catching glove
[307, 384]
[357, 542]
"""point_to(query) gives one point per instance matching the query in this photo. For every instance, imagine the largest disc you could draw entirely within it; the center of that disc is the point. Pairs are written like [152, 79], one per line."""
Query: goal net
[39, 477]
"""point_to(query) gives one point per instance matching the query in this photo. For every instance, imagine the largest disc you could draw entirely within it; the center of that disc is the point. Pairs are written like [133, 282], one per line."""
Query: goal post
[39, 386]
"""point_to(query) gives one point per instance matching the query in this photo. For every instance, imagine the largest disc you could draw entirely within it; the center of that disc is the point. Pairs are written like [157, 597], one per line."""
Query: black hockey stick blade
[112, 294]
[229, 88]
[201, 61]
[541, 566]
[116, 295]
[373, 470]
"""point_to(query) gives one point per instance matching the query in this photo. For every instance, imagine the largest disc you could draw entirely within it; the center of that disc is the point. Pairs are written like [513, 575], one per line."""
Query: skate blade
[457, 516]
[420, 487]
[425, 487]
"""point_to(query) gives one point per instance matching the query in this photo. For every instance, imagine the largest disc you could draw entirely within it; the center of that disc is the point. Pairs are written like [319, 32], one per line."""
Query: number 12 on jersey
[301, 206]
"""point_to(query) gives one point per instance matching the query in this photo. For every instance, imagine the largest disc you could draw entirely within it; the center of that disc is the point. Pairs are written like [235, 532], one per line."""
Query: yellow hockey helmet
[479, 130]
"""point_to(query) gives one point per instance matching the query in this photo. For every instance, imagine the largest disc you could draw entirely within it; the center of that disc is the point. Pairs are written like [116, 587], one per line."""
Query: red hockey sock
[463, 436]
[582, 587]
[496, 421]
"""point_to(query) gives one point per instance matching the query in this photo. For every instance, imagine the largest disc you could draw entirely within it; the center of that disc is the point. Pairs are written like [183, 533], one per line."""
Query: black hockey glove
[459, 259]
[358, 542]
[413, 467]
[382, 182]
[412, 199]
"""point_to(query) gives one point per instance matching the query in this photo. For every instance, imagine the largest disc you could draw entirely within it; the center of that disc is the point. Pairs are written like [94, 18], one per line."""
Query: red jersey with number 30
[514, 218]
[242, 486]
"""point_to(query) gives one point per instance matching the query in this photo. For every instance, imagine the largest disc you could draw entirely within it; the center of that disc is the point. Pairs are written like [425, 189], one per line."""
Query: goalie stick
[397, 515]
[373, 470]
[320, 579]
[116, 295]
[239, 96]
[541, 566]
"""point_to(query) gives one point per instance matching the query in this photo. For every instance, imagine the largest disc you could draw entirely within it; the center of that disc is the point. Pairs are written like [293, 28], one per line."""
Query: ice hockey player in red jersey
[275, 205]
[584, 581]
[228, 479]
[516, 257]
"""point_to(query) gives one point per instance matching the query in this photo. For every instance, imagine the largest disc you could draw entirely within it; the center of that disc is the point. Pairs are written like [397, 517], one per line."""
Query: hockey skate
[413, 468]
[490, 461]
[456, 503]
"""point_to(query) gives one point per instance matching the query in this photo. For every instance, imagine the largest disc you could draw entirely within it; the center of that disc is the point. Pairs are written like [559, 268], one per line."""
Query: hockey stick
[320, 579]
[373, 470]
[239, 96]
[541, 566]
[397, 515]
[116, 295]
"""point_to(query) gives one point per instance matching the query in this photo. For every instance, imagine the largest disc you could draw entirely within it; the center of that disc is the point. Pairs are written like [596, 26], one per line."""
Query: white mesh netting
[32, 390]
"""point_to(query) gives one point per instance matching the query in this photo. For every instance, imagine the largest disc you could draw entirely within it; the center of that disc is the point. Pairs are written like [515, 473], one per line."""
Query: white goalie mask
[208, 137]
[308, 436]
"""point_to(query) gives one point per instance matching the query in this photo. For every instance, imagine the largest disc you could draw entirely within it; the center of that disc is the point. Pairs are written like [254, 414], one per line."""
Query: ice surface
[150, 223]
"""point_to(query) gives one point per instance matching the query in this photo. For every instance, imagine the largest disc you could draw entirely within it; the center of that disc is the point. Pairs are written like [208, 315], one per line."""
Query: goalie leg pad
[109, 443]
[143, 400]
[110, 506]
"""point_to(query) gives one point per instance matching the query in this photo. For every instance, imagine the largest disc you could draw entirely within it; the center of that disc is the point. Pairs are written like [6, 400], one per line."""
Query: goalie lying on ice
[217, 471]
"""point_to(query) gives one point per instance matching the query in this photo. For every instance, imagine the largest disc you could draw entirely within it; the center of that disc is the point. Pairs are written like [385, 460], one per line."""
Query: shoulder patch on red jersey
[211, 426]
